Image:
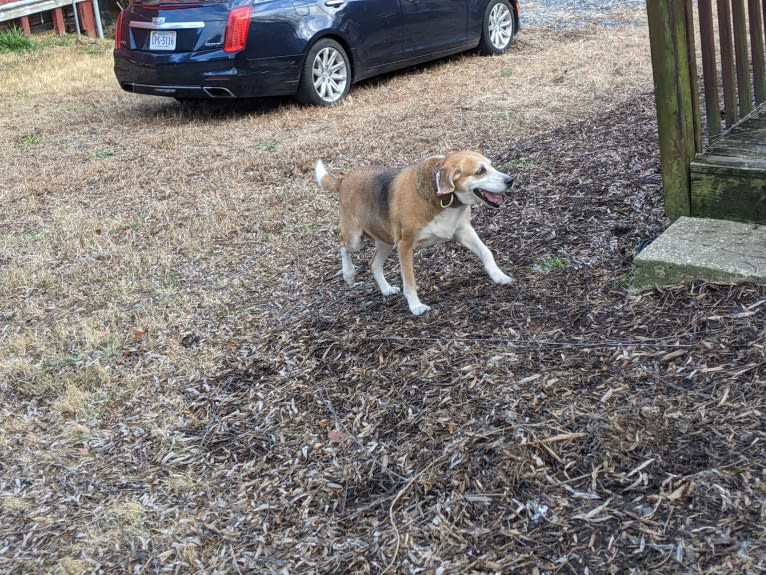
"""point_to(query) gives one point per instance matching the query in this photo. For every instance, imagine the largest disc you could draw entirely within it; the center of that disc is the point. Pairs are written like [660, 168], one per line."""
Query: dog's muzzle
[492, 199]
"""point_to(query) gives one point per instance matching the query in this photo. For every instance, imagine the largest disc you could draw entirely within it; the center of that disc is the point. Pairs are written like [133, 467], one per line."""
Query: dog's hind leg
[350, 241]
[347, 265]
[382, 251]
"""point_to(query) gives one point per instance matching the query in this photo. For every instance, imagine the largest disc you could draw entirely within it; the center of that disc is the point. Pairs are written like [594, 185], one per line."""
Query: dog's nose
[508, 182]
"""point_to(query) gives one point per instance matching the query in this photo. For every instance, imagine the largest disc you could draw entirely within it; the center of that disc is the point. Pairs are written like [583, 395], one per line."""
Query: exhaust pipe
[217, 92]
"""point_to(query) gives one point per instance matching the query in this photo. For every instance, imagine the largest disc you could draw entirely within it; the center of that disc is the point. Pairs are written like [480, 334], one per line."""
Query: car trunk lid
[178, 26]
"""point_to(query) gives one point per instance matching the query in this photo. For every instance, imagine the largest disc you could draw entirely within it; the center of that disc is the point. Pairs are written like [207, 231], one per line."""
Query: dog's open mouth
[492, 200]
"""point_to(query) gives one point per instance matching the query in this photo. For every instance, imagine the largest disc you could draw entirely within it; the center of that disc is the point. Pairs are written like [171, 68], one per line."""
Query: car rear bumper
[212, 75]
[181, 92]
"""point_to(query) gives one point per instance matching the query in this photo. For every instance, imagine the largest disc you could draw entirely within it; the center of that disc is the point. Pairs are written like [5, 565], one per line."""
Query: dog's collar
[453, 201]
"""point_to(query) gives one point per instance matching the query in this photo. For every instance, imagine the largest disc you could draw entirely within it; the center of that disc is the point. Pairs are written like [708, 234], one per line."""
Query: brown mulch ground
[559, 425]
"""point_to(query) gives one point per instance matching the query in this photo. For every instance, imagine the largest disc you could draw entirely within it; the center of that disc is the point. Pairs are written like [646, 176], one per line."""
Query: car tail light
[118, 30]
[236, 29]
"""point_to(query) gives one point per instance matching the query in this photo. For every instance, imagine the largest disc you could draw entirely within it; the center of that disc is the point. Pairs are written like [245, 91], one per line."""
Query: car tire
[326, 76]
[498, 27]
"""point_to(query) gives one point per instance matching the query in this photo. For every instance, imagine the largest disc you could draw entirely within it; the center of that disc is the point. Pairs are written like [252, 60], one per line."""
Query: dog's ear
[428, 177]
[445, 179]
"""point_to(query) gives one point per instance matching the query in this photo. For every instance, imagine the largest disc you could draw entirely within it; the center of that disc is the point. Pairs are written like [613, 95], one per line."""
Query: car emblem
[158, 20]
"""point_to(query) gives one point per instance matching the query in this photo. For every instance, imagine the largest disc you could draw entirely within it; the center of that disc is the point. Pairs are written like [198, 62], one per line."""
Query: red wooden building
[51, 13]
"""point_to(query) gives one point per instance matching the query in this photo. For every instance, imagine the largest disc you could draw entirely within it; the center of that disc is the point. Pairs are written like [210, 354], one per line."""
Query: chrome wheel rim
[500, 26]
[329, 74]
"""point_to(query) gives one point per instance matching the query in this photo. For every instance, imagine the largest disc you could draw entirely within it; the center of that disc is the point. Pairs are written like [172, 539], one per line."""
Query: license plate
[162, 40]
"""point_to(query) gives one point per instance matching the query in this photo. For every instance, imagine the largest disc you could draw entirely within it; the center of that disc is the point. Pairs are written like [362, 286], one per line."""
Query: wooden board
[734, 198]
[728, 181]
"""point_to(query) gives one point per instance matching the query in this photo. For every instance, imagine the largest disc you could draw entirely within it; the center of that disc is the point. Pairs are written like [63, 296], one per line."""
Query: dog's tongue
[493, 199]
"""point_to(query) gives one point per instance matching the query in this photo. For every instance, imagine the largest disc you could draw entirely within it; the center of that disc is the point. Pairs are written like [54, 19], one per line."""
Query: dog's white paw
[390, 290]
[419, 309]
[502, 279]
[349, 279]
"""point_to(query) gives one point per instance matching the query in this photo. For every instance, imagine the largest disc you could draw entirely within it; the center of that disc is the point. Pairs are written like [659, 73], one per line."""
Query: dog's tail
[325, 180]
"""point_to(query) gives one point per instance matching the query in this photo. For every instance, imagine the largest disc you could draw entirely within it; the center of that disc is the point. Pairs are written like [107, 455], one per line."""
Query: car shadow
[415, 70]
[154, 108]
[193, 110]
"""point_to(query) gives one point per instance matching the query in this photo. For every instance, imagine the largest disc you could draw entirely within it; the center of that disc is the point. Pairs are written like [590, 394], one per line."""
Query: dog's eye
[481, 171]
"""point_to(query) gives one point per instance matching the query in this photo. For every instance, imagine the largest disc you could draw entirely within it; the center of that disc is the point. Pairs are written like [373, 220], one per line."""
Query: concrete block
[716, 251]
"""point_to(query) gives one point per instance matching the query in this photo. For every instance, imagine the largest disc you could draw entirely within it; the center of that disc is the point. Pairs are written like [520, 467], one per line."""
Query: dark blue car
[311, 49]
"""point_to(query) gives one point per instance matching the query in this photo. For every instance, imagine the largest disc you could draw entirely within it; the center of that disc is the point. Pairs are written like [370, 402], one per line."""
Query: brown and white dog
[421, 205]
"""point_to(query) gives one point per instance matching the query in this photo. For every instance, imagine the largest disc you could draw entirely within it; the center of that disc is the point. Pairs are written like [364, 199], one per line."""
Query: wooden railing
[87, 13]
[731, 38]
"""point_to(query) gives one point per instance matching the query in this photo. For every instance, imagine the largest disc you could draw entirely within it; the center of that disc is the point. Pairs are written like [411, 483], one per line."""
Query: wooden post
[691, 55]
[58, 21]
[757, 51]
[727, 63]
[87, 17]
[742, 57]
[709, 73]
[675, 95]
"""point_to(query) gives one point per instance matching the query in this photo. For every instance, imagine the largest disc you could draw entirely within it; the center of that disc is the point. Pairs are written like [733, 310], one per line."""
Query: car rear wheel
[497, 31]
[326, 77]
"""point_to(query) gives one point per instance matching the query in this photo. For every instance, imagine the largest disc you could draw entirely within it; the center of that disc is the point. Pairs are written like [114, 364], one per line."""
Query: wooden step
[728, 181]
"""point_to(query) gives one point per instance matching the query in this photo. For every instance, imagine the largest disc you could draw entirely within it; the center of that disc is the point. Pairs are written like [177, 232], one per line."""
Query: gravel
[575, 14]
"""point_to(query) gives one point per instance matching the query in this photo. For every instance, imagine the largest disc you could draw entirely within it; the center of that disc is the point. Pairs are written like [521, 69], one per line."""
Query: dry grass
[138, 213]
[187, 387]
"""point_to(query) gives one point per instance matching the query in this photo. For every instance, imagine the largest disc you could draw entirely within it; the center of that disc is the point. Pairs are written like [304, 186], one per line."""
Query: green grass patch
[549, 263]
[14, 40]
[270, 146]
[15, 242]
[30, 141]
[55, 40]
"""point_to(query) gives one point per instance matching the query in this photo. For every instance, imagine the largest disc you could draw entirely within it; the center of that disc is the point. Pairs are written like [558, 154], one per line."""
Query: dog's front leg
[406, 248]
[382, 251]
[468, 237]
